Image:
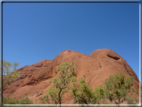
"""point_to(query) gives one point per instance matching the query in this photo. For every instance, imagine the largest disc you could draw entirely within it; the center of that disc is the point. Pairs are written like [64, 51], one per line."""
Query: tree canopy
[66, 72]
[118, 86]
[10, 73]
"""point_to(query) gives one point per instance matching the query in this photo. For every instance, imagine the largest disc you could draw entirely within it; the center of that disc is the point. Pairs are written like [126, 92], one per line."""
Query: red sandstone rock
[96, 67]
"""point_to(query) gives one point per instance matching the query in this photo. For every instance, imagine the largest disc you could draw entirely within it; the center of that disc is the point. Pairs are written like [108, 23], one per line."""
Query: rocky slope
[98, 66]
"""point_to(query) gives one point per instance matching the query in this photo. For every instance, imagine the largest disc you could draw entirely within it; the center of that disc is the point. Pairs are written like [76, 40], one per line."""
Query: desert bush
[16, 101]
[118, 87]
[82, 94]
[44, 99]
[25, 101]
[12, 101]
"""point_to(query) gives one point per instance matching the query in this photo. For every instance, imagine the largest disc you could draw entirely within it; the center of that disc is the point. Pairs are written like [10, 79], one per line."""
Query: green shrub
[16, 101]
[118, 86]
[12, 101]
[44, 99]
[5, 100]
[25, 101]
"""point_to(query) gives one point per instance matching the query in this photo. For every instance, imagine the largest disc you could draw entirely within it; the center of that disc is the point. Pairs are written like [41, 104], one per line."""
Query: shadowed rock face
[96, 67]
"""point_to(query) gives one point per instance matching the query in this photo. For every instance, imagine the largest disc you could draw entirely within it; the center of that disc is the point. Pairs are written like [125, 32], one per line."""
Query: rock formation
[98, 66]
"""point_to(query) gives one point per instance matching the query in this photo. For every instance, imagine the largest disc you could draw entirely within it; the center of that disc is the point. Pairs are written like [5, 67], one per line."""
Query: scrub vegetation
[116, 88]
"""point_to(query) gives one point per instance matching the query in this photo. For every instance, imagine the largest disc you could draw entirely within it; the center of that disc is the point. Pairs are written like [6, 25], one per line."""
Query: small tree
[10, 74]
[101, 94]
[82, 94]
[66, 72]
[118, 87]
[15, 64]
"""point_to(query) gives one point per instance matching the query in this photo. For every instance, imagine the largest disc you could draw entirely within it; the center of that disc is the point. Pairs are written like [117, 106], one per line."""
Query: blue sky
[36, 31]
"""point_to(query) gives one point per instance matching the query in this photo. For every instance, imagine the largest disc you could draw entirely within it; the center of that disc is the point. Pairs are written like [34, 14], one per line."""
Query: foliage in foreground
[115, 89]
[84, 94]
[16, 101]
[118, 87]
[55, 93]
[10, 72]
